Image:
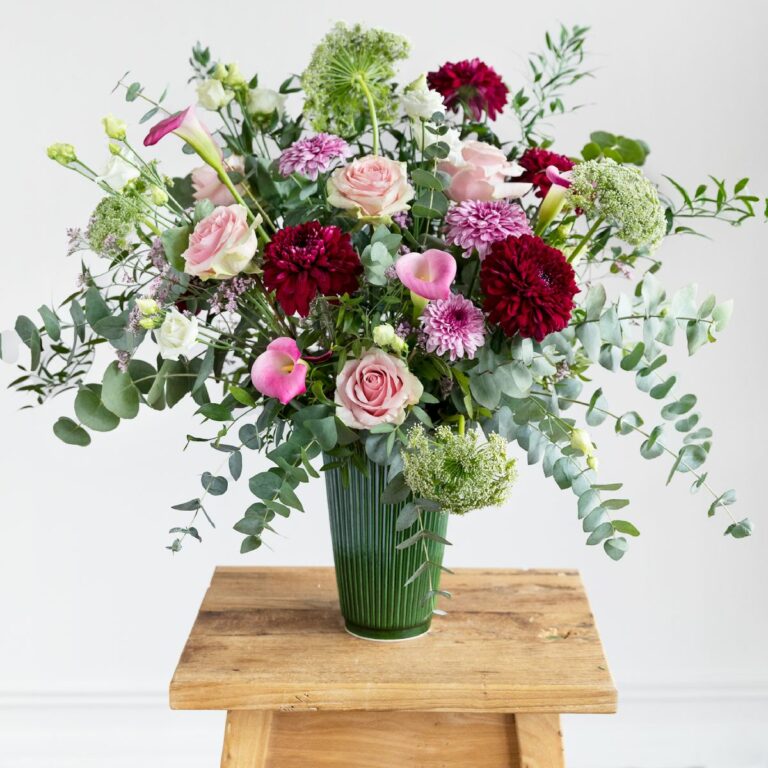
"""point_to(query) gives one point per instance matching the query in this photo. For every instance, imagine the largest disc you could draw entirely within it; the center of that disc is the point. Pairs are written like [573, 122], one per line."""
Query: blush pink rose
[482, 174]
[375, 186]
[376, 389]
[208, 186]
[221, 245]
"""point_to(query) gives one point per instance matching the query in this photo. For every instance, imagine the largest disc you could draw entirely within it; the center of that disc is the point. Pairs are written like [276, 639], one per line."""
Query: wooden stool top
[513, 641]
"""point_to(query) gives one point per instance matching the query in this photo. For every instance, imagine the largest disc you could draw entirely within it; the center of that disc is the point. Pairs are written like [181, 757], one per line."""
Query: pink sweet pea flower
[279, 371]
[427, 274]
[187, 126]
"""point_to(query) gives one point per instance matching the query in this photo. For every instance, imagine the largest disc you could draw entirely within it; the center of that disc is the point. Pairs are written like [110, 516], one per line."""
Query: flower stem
[227, 182]
[584, 240]
[372, 110]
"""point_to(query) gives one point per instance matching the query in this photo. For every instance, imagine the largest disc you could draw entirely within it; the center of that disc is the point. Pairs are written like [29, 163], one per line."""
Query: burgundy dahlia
[536, 161]
[528, 287]
[470, 83]
[309, 259]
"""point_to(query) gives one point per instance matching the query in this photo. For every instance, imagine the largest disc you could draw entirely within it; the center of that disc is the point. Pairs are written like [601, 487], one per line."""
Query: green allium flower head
[349, 65]
[623, 196]
[457, 472]
[111, 223]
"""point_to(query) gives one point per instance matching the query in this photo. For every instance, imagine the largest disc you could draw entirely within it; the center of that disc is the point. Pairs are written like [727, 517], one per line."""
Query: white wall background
[95, 610]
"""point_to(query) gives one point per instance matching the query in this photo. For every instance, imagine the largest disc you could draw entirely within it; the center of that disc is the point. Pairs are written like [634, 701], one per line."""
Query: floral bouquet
[382, 288]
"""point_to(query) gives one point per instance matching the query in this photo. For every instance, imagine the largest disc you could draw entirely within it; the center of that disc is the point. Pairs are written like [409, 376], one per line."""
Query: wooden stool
[485, 688]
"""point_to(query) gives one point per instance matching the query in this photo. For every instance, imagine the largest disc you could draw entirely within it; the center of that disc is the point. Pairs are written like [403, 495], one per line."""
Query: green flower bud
[114, 149]
[62, 153]
[148, 307]
[219, 72]
[581, 441]
[159, 196]
[114, 127]
[234, 77]
[150, 323]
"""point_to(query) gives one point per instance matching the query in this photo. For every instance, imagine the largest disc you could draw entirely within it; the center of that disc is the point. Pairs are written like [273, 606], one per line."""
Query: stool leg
[539, 741]
[246, 739]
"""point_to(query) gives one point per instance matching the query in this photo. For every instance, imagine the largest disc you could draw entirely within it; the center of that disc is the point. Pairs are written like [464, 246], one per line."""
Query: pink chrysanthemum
[313, 155]
[480, 223]
[453, 325]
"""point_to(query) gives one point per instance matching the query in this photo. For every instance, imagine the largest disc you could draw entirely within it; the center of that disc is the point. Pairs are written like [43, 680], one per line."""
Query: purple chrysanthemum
[313, 155]
[481, 223]
[454, 325]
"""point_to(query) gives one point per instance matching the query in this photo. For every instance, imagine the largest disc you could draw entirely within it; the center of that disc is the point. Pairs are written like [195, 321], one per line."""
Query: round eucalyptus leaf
[71, 432]
[91, 411]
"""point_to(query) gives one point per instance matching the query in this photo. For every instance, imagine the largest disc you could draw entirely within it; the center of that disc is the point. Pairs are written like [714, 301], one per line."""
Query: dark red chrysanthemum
[528, 287]
[470, 83]
[309, 259]
[536, 161]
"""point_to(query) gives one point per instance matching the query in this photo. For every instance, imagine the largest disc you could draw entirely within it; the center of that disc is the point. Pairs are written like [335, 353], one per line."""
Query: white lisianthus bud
[265, 101]
[420, 102]
[118, 172]
[177, 335]
[399, 345]
[62, 153]
[219, 71]
[114, 127]
[234, 77]
[384, 335]
[212, 95]
[592, 462]
[159, 195]
[148, 307]
[581, 441]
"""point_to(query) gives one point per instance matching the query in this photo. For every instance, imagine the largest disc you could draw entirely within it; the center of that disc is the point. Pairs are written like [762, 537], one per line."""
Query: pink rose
[221, 245]
[482, 174]
[375, 186]
[375, 389]
[208, 185]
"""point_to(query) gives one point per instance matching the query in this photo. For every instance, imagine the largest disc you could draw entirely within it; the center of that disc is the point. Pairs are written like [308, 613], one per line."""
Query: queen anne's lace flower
[623, 196]
[457, 472]
[349, 65]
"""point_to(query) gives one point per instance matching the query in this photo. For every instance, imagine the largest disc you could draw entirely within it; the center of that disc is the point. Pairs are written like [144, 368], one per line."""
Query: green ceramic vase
[370, 571]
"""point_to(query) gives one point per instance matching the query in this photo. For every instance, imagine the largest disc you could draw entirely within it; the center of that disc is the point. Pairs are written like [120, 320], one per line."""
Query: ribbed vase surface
[370, 571]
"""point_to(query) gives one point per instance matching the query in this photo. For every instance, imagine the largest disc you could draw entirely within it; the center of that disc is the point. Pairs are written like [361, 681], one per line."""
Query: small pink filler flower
[279, 371]
[427, 274]
[454, 325]
[481, 223]
[313, 155]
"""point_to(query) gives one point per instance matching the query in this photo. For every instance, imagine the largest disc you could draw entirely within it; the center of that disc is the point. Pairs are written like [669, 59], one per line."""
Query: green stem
[227, 182]
[372, 110]
[584, 240]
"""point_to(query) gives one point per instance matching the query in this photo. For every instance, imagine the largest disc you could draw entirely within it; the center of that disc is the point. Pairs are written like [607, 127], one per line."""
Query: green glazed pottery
[371, 573]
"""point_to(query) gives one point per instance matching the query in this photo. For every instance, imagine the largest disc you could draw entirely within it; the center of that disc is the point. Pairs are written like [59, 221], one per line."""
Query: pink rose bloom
[375, 186]
[482, 174]
[221, 245]
[279, 371]
[376, 389]
[208, 185]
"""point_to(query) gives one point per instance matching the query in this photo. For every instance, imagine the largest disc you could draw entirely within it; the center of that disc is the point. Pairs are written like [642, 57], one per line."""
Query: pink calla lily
[279, 371]
[556, 176]
[427, 274]
[187, 126]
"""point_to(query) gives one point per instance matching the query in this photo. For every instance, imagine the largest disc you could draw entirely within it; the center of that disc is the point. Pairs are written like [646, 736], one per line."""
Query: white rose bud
[177, 335]
[264, 101]
[420, 102]
[212, 95]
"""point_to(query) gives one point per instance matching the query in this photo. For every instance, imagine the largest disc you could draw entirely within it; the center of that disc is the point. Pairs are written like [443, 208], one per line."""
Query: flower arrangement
[378, 276]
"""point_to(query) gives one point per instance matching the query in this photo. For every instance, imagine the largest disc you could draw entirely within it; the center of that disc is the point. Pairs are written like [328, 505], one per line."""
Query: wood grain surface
[513, 641]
